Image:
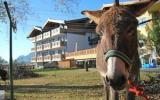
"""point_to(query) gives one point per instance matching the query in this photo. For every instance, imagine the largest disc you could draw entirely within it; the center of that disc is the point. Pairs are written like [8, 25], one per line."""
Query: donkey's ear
[93, 15]
[140, 8]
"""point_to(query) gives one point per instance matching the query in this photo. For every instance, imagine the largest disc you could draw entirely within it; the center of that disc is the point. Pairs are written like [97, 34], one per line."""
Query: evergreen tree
[154, 32]
[3, 61]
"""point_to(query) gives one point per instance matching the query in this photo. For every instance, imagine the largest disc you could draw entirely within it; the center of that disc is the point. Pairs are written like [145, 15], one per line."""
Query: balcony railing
[33, 49]
[47, 58]
[39, 37]
[46, 35]
[40, 59]
[46, 46]
[40, 48]
[58, 44]
[56, 31]
[89, 53]
[57, 57]
[33, 59]
[33, 39]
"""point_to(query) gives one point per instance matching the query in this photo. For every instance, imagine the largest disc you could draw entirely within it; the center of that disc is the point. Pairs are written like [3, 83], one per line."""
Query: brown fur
[116, 23]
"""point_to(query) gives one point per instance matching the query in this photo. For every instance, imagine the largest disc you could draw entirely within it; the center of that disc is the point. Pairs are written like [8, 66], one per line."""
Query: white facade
[77, 42]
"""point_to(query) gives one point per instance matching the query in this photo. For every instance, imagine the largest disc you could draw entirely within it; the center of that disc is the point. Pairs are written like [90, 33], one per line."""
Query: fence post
[85, 65]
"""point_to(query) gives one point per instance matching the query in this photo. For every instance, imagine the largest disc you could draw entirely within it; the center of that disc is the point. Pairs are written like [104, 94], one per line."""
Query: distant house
[56, 38]
[4, 66]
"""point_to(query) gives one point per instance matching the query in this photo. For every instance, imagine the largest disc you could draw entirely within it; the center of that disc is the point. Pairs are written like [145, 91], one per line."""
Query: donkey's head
[117, 27]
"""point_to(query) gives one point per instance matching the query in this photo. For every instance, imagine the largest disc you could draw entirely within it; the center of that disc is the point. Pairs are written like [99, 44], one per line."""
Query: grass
[73, 84]
[73, 77]
[67, 84]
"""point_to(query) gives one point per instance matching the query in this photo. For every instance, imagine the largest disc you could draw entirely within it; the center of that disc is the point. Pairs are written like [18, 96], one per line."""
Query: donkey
[117, 51]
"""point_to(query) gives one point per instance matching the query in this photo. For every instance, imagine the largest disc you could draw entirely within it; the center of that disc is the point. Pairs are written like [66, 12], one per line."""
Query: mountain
[24, 59]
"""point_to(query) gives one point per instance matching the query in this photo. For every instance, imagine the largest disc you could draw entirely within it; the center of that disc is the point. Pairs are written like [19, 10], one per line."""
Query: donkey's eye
[113, 38]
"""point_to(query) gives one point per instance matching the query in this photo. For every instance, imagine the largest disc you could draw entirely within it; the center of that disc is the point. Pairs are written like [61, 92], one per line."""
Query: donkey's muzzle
[118, 83]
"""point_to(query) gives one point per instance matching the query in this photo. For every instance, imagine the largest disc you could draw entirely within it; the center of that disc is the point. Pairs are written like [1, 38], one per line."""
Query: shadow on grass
[55, 87]
[55, 69]
[51, 89]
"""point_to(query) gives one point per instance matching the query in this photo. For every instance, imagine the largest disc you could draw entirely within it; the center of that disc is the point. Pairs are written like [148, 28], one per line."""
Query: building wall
[77, 42]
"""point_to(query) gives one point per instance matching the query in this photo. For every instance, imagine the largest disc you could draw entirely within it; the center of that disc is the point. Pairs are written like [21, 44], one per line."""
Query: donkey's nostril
[121, 80]
[107, 80]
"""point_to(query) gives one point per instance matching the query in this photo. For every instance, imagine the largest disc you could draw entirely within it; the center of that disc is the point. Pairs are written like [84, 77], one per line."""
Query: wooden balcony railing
[56, 31]
[46, 35]
[39, 37]
[33, 59]
[47, 58]
[40, 48]
[81, 54]
[57, 57]
[46, 46]
[40, 59]
[33, 49]
[57, 44]
[33, 39]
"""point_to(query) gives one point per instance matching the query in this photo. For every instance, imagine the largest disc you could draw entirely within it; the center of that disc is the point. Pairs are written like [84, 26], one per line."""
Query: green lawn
[70, 84]
[73, 84]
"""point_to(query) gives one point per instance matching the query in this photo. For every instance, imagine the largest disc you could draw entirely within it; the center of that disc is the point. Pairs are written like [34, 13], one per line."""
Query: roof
[155, 7]
[125, 3]
[77, 20]
[35, 31]
[52, 22]
[80, 26]
[48, 24]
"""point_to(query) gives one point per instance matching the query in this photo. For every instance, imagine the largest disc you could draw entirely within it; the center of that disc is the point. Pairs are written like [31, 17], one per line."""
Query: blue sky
[42, 9]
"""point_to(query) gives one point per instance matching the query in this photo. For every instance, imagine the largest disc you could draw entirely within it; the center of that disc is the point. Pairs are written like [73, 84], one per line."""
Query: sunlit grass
[53, 84]
[78, 77]
[68, 84]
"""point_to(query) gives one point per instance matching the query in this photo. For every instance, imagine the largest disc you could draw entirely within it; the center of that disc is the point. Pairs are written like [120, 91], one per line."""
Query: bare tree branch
[66, 6]
[19, 10]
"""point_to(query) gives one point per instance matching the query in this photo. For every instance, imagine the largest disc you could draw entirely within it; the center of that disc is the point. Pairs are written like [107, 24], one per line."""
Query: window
[59, 38]
[52, 52]
[59, 51]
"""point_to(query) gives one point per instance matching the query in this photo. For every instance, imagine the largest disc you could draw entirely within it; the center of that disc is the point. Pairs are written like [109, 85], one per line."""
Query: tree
[66, 6]
[3, 61]
[18, 9]
[154, 32]
[21, 8]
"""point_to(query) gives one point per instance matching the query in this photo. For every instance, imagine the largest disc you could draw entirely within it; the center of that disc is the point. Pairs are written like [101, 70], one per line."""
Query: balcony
[82, 54]
[46, 46]
[40, 59]
[33, 59]
[47, 58]
[33, 39]
[40, 48]
[39, 37]
[46, 35]
[57, 57]
[56, 31]
[58, 44]
[33, 49]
